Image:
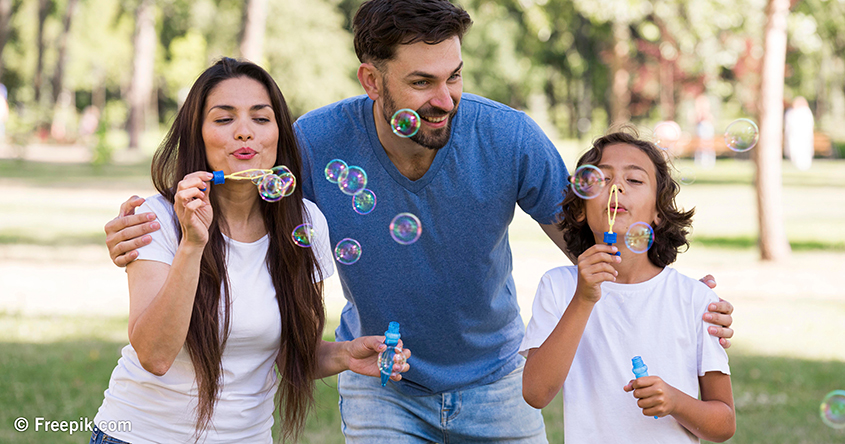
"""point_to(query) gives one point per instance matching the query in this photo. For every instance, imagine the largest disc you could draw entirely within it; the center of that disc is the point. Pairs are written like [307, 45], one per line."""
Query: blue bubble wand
[385, 358]
[640, 369]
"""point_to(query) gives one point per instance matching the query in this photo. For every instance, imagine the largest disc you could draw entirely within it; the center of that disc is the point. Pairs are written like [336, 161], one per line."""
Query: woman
[222, 293]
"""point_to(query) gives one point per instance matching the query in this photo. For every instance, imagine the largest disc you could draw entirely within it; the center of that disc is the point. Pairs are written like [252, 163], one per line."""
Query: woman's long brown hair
[295, 272]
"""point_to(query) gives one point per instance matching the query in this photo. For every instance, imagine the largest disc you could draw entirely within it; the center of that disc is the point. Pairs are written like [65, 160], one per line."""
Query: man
[471, 162]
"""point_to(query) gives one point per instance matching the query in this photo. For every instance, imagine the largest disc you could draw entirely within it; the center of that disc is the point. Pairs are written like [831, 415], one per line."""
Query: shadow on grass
[777, 399]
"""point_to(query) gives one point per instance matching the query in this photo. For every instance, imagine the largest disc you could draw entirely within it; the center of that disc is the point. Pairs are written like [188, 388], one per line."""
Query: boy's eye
[635, 181]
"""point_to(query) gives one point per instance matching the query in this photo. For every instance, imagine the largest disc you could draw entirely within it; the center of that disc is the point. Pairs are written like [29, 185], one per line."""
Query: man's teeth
[435, 119]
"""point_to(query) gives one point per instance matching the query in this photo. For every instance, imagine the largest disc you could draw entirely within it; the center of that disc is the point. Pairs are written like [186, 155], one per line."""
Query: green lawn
[57, 367]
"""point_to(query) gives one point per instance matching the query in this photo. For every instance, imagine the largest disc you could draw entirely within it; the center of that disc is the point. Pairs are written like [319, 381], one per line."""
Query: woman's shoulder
[159, 205]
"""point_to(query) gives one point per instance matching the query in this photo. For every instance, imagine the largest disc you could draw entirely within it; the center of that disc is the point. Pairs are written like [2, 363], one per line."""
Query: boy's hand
[594, 267]
[655, 396]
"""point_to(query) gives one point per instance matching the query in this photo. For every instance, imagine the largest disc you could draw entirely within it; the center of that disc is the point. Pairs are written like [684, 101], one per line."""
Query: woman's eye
[635, 181]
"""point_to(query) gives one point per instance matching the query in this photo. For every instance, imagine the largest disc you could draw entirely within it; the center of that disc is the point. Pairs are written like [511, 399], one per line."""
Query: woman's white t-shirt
[161, 409]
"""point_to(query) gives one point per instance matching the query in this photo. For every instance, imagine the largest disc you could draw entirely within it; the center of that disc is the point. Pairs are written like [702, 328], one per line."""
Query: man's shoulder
[332, 112]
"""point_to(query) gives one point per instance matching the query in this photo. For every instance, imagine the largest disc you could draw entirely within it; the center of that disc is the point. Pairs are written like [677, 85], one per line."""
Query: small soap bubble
[334, 169]
[271, 188]
[281, 169]
[667, 134]
[686, 176]
[742, 135]
[257, 176]
[347, 251]
[288, 184]
[364, 202]
[303, 234]
[405, 228]
[639, 237]
[405, 122]
[832, 409]
[352, 180]
[587, 181]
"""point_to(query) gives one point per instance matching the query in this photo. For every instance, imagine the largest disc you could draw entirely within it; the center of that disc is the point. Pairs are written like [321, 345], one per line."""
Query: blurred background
[89, 88]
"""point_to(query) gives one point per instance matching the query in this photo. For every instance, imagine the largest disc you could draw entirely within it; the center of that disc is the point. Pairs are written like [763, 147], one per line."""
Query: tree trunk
[58, 76]
[141, 86]
[774, 245]
[5, 19]
[620, 93]
[43, 10]
[254, 25]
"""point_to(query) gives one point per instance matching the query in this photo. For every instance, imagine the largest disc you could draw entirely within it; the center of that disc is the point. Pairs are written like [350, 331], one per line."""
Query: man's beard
[432, 139]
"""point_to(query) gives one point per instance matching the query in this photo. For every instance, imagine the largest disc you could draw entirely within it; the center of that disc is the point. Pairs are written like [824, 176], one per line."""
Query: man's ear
[370, 79]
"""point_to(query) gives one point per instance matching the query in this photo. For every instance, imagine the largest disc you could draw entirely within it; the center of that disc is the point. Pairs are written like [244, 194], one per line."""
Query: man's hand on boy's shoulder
[719, 314]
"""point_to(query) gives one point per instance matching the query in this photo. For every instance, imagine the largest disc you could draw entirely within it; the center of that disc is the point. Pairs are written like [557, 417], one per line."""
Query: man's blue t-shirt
[451, 291]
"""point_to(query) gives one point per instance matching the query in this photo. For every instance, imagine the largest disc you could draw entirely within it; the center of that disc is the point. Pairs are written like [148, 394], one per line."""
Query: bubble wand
[386, 359]
[273, 184]
[610, 236]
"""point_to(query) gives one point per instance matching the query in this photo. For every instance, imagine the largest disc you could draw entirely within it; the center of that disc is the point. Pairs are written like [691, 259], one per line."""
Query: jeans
[490, 413]
[99, 437]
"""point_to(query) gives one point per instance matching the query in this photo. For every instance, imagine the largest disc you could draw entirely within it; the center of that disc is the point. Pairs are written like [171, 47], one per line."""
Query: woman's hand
[192, 207]
[594, 267]
[655, 396]
[363, 357]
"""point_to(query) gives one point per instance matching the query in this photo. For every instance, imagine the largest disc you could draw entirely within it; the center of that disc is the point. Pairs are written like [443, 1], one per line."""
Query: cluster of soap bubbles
[350, 179]
[405, 228]
[832, 409]
[405, 122]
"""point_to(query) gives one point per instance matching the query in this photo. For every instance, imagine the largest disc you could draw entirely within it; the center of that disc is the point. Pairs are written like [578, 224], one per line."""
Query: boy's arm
[711, 418]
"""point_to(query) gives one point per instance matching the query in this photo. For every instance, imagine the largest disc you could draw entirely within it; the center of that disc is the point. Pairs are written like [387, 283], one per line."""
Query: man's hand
[127, 232]
[719, 314]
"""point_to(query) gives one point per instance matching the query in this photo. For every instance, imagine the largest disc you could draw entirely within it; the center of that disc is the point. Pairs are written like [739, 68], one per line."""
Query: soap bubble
[832, 409]
[742, 135]
[587, 181]
[364, 202]
[667, 134]
[405, 228]
[271, 188]
[334, 169]
[639, 237]
[303, 235]
[347, 251]
[352, 180]
[405, 122]
[288, 184]
[686, 176]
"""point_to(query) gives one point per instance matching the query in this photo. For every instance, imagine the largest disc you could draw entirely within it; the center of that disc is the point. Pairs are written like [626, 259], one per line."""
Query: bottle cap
[218, 178]
[391, 336]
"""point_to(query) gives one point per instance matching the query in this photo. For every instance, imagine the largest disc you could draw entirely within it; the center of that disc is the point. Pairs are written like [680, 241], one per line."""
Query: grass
[777, 398]
[786, 356]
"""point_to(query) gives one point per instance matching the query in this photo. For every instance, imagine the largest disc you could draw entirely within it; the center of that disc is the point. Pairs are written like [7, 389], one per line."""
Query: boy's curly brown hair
[669, 234]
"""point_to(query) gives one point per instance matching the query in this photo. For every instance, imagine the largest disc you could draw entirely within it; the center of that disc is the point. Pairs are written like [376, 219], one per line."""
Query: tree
[769, 154]
[5, 19]
[141, 85]
[254, 25]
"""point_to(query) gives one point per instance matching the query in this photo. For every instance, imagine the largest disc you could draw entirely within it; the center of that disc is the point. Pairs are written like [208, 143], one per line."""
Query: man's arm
[556, 236]
[127, 232]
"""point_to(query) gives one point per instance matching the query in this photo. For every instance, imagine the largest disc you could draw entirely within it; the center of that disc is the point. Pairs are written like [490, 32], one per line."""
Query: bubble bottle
[609, 235]
[640, 369]
[386, 358]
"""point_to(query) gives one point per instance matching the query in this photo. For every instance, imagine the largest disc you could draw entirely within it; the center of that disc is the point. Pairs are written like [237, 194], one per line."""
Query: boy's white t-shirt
[660, 320]
[161, 408]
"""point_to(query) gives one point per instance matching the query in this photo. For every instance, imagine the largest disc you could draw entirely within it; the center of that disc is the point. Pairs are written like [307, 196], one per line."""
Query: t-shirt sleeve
[711, 356]
[321, 246]
[542, 174]
[549, 303]
[165, 241]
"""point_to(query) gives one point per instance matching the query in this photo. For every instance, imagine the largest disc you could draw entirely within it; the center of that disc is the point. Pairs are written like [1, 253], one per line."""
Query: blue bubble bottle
[640, 369]
[385, 358]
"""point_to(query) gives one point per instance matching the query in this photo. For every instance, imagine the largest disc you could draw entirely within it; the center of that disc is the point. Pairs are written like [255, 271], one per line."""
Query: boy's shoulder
[698, 291]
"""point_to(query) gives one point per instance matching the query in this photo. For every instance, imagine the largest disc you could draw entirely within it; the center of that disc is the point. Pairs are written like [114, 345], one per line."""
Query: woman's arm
[711, 418]
[161, 296]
